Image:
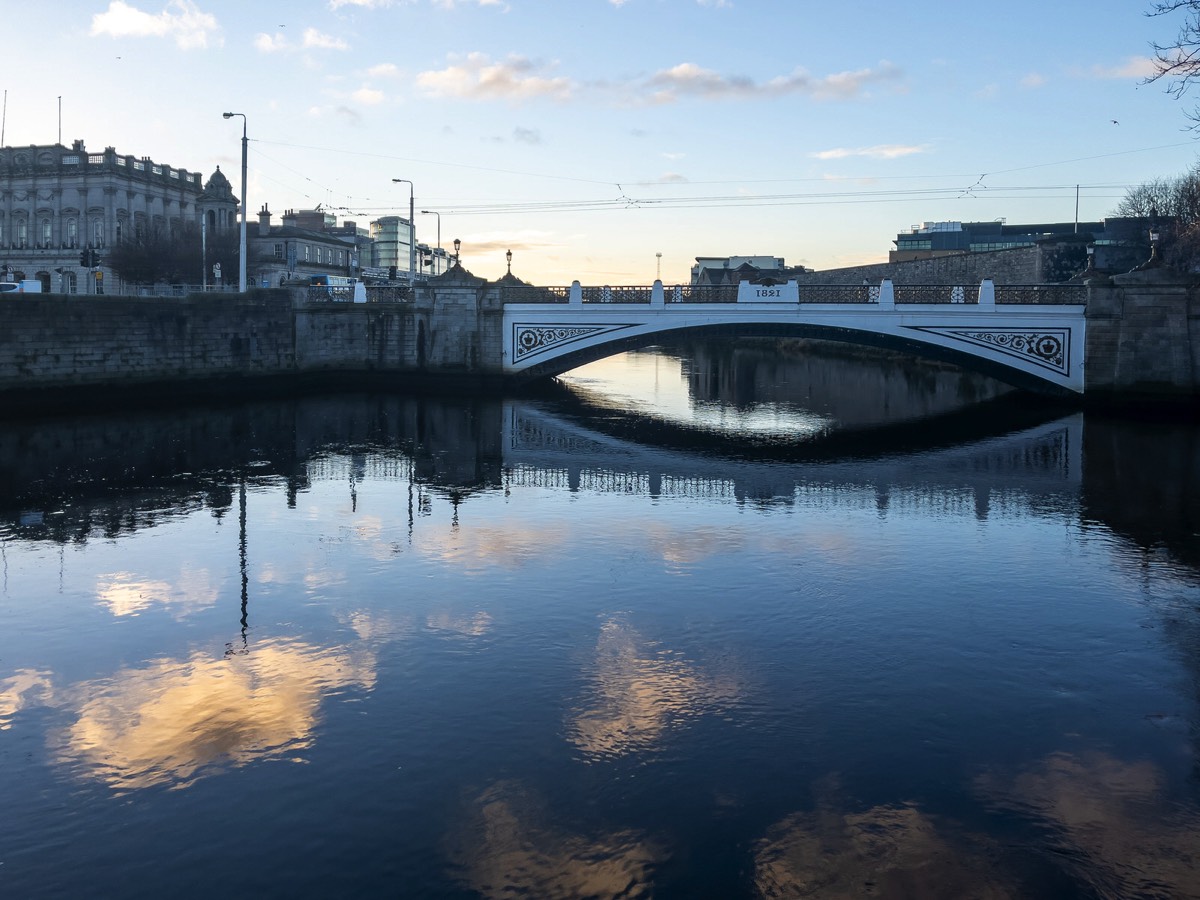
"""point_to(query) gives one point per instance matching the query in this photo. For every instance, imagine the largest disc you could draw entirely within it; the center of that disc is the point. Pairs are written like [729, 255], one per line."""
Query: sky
[591, 136]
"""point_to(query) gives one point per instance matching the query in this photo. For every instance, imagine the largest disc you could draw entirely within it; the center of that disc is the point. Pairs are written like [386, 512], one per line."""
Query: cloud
[478, 78]
[673, 156]
[1033, 80]
[527, 135]
[321, 41]
[271, 43]
[1134, 67]
[672, 178]
[181, 20]
[368, 96]
[879, 151]
[453, 4]
[384, 70]
[365, 4]
[690, 80]
[312, 39]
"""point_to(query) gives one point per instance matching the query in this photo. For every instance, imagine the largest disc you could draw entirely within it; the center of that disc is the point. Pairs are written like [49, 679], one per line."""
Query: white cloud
[181, 20]
[321, 41]
[1133, 67]
[879, 151]
[384, 70]
[478, 78]
[1033, 80]
[365, 4]
[527, 135]
[368, 96]
[271, 43]
[672, 178]
[690, 80]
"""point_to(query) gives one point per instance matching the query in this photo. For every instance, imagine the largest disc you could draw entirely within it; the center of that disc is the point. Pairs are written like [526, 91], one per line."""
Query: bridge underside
[1039, 350]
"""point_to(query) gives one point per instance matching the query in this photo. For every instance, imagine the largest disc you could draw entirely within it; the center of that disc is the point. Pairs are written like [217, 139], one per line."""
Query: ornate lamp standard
[508, 256]
[457, 244]
[242, 239]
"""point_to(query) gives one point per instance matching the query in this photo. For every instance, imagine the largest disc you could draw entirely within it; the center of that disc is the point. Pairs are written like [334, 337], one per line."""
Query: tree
[1175, 202]
[180, 258]
[1178, 63]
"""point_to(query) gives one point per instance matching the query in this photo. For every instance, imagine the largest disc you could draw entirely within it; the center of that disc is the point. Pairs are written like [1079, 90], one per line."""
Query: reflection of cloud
[888, 852]
[1120, 832]
[19, 691]
[639, 692]
[125, 595]
[507, 849]
[485, 548]
[469, 626]
[166, 722]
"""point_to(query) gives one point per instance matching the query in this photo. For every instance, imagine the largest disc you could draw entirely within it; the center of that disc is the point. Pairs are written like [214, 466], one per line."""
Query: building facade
[58, 202]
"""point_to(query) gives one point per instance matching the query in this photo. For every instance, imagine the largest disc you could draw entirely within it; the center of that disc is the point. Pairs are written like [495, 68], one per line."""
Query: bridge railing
[850, 294]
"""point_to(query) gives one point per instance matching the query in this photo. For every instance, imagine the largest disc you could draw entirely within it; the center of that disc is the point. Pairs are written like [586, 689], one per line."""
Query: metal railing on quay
[702, 293]
[935, 293]
[531, 294]
[1046, 294]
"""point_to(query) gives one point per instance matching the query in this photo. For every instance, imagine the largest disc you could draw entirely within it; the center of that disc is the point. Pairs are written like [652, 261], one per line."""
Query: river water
[704, 622]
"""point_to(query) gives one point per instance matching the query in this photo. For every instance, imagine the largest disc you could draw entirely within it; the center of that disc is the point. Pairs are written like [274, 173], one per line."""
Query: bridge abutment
[1143, 337]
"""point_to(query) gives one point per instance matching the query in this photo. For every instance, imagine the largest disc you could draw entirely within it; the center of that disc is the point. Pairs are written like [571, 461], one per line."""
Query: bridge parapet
[885, 294]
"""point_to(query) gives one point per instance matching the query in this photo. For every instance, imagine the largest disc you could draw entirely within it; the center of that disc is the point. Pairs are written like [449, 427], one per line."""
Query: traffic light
[85, 258]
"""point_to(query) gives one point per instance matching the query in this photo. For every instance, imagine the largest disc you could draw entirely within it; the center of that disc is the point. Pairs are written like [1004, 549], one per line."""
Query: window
[157, 170]
[341, 257]
[46, 231]
[120, 160]
[306, 249]
[22, 234]
[70, 160]
[139, 166]
[174, 173]
[72, 233]
[95, 159]
[97, 232]
[279, 251]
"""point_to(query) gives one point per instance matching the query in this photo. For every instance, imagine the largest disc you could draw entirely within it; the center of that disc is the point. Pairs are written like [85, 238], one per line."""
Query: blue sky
[590, 135]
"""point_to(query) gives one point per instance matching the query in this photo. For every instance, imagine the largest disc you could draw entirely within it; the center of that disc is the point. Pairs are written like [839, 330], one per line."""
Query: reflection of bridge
[1032, 335]
[1028, 468]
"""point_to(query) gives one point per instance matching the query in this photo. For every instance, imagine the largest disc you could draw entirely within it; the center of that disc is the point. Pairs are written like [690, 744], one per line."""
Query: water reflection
[524, 651]
[1114, 824]
[886, 852]
[639, 693]
[171, 721]
[512, 845]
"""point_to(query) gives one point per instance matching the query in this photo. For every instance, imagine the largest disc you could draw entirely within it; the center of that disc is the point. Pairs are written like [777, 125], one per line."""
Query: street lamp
[434, 212]
[1154, 245]
[508, 256]
[242, 241]
[412, 231]
[457, 244]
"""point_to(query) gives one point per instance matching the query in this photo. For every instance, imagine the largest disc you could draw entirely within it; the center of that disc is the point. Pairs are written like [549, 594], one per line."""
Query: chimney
[264, 221]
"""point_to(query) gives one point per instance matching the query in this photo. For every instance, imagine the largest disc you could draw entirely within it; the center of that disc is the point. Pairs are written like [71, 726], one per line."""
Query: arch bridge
[1031, 336]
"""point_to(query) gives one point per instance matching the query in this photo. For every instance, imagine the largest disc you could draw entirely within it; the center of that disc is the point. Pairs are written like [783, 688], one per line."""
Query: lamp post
[457, 244]
[412, 231]
[508, 256]
[242, 239]
[434, 212]
[1153, 246]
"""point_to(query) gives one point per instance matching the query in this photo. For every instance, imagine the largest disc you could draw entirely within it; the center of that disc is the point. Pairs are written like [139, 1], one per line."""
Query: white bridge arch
[1028, 335]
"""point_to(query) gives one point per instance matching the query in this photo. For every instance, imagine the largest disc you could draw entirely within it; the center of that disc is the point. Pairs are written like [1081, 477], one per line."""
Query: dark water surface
[585, 647]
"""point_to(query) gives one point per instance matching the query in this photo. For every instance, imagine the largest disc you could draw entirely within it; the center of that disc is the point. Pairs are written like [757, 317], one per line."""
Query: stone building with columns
[57, 202]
